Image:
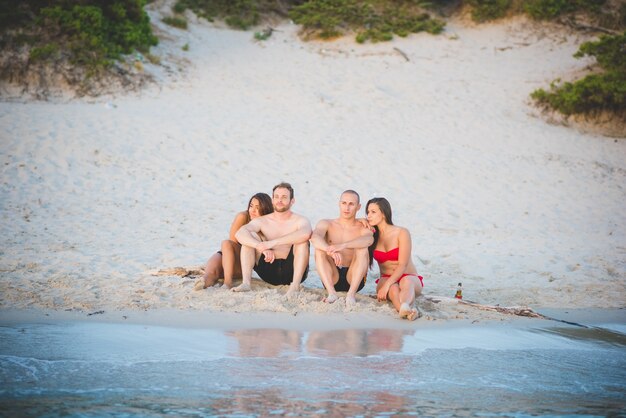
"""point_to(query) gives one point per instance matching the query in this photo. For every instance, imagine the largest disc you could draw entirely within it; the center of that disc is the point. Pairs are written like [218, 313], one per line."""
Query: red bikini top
[391, 255]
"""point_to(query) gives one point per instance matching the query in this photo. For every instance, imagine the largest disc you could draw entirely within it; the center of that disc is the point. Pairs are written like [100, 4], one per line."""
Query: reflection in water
[97, 370]
[276, 402]
[335, 343]
[266, 342]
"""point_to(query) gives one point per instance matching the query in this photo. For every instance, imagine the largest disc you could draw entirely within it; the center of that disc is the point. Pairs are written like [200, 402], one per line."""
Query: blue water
[84, 369]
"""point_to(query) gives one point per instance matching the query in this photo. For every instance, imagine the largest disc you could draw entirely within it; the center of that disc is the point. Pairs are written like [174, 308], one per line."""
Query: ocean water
[83, 369]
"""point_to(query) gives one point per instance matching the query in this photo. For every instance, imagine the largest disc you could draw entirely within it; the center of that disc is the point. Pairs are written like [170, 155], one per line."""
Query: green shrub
[177, 22]
[375, 20]
[263, 35]
[372, 20]
[597, 92]
[550, 9]
[240, 14]
[90, 33]
[44, 52]
[100, 32]
[483, 10]
[609, 51]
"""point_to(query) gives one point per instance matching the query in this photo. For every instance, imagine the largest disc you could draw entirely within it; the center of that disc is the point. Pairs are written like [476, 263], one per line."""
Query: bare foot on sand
[350, 301]
[243, 287]
[225, 286]
[330, 298]
[291, 292]
[199, 285]
[408, 312]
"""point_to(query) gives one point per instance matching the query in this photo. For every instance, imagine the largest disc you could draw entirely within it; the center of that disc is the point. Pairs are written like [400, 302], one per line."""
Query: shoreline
[614, 318]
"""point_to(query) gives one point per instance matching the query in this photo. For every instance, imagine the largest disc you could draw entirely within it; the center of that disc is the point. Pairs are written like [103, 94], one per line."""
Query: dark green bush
[483, 10]
[90, 32]
[44, 52]
[609, 51]
[597, 92]
[240, 14]
[372, 20]
[549, 9]
[177, 22]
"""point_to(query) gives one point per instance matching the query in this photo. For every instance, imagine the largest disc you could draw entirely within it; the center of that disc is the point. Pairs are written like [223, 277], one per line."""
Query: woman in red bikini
[225, 263]
[399, 281]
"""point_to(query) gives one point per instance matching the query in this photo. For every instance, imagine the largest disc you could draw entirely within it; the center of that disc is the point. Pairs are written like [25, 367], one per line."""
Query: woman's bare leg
[212, 271]
[230, 262]
[409, 288]
[394, 296]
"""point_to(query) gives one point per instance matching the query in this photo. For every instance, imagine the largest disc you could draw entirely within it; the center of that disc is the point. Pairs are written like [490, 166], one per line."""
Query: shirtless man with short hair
[276, 245]
[341, 250]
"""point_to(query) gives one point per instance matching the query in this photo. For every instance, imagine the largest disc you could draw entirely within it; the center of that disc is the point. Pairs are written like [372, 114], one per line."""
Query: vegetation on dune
[240, 14]
[88, 33]
[605, 91]
[605, 12]
[374, 20]
[176, 21]
[550, 9]
[92, 34]
[484, 10]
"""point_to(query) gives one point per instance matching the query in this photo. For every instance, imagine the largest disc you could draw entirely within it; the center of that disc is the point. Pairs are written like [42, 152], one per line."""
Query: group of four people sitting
[274, 242]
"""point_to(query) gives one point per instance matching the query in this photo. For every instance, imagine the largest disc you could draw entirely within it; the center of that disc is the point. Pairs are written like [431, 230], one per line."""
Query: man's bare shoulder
[296, 217]
[261, 220]
[324, 223]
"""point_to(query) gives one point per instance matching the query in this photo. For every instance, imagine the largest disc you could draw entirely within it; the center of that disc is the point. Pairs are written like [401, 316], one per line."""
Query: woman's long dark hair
[265, 203]
[385, 208]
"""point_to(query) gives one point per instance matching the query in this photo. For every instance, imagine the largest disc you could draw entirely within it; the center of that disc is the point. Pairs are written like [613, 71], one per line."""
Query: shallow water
[96, 369]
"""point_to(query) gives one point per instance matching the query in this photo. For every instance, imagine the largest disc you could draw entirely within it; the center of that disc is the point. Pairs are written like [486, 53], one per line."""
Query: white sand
[97, 194]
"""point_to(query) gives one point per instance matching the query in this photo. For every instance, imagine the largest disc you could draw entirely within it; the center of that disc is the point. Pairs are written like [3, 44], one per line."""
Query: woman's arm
[238, 222]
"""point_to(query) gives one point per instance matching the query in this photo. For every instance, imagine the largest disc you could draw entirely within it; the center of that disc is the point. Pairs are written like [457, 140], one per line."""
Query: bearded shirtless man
[276, 245]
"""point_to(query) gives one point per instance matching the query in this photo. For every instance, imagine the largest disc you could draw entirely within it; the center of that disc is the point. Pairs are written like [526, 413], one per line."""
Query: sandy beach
[97, 195]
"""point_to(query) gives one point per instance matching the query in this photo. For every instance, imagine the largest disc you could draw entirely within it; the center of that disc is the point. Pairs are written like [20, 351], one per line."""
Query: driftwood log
[580, 26]
[512, 310]
[181, 271]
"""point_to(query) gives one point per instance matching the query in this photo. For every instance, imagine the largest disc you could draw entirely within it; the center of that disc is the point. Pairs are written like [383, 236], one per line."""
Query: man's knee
[321, 257]
[361, 255]
[301, 249]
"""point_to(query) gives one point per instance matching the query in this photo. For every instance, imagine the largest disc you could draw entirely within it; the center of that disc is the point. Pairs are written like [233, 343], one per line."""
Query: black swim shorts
[280, 271]
[342, 284]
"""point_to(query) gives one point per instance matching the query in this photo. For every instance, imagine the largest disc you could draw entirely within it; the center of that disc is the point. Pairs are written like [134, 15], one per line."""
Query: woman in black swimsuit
[225, 263]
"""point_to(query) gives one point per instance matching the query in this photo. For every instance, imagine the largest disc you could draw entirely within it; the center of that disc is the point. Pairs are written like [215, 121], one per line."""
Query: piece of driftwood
[180, 271]
[401, 52]
[579, 26]
[512, 310]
